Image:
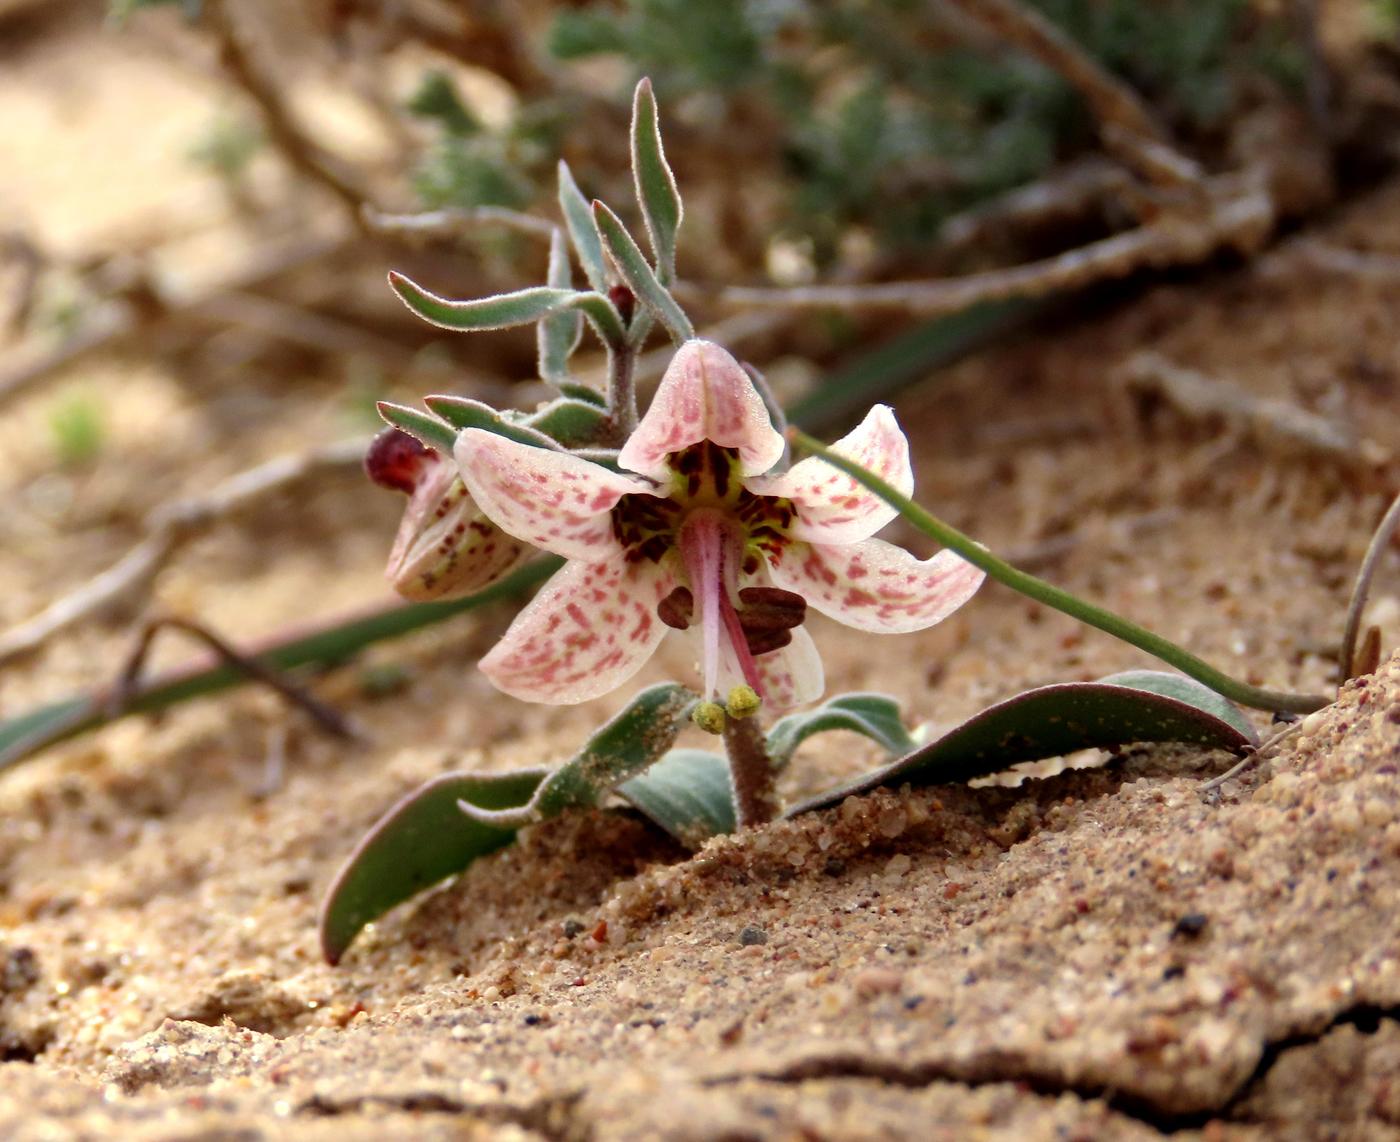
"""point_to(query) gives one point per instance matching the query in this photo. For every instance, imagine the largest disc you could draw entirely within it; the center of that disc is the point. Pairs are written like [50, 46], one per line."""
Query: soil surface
[1099, 953]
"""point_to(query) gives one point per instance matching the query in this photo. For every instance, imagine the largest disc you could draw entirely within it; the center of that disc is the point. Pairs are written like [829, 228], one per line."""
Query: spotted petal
[792, 675]
[553, 500]
[445, 547]
[831, 506]
[876, 586]
[590, 628]
[705, 395]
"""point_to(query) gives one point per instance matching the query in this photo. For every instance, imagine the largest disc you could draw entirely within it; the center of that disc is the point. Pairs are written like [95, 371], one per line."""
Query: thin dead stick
[1241, 218]
[1277, 424]
[1346, 657]
[454, 223]
[128, 681]
[304, 155]
[1070, 192]
[124, 323]
[1314, 253]
[1113, 103]
[1251, 758]
[170, 527]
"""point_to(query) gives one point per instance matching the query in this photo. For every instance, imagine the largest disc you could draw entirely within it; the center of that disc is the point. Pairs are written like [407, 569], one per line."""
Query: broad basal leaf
[687, 793]
[420, 841]
[874, 715]
[1051, 721]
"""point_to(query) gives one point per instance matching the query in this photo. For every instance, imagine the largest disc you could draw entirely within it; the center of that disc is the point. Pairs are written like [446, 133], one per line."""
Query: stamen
[677, 608]
[703, 548]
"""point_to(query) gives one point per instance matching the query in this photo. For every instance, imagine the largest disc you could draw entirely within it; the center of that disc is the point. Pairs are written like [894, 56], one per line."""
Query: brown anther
[762, 641]
[396, 460]
[771, 608]
[676, 608]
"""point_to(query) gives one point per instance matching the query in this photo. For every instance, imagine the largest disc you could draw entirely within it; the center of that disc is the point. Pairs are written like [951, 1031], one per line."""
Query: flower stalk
[751, 771]
[1052, 596]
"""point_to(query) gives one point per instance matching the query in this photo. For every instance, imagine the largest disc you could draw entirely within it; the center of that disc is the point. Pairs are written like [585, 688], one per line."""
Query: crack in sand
[996, 1067]
[554, 1117]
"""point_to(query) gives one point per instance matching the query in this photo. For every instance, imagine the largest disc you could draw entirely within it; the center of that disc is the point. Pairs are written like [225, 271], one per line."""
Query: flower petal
[792, 675]
[590, 628]
[831, 506]
[875, 585]
[705, 395]
[553, 500]
[445, 547]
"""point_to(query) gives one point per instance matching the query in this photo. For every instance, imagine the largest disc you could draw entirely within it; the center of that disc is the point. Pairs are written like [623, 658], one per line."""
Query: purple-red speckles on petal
[876, 586]
[704, 395]
[529, 493]
[560, 650]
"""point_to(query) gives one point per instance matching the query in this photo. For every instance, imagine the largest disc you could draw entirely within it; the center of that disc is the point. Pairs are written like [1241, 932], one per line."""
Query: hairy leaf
[583, 233]
[639, 277]
[522, 307]
[430, 430]
[657, 194]
[557, 334]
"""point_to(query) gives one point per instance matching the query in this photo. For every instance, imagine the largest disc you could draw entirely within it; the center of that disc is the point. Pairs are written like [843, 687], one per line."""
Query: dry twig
[169, 528]
[1347, 659]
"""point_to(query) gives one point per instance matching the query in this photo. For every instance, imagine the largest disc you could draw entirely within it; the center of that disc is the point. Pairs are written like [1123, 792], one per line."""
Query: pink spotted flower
[699, 534]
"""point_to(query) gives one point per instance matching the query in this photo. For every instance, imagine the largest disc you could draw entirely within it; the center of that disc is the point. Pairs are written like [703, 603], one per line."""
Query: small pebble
[750, 936]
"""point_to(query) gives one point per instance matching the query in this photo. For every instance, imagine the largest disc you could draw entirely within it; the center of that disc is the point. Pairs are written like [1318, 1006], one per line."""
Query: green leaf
[1186, 690]
[583, 233]
[420, 841]
[656, 185]
[633, 740]
[639, 277]
[874, 715]
[523, 307]
[571, 422]
[604, 318]
[688, 794]
[1054, 720]
[463, 412]
[586, 393]
[557, 334]
[424, 427]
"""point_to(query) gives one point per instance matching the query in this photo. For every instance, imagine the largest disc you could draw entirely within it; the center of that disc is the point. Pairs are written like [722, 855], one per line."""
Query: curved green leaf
[1186, 690]
[420, 841]
[874, 715]
[571, 422]
[586, 393]
[522, 307]
[463, 412]
[657, 194]
[688, 794]
[604, 318]
[557, 335]
[633, 740]
[1054, 720]
[583, 233]
[429, 430]
[638, 275]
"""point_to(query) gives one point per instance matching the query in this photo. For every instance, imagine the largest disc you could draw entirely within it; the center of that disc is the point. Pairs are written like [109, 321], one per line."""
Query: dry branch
[169, 528]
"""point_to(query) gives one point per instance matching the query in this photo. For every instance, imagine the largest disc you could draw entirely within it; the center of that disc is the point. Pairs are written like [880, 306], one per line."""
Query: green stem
[1062, 600]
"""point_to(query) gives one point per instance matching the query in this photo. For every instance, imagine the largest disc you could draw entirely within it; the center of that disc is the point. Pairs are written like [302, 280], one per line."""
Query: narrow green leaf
[463, 412]
[1051, 721]
[640, 279]
[583, 233]
[586, 393]
[523, 307]
[557, 334]
[688, 794]
[424, 427]
[657, 194]
[420, 841]
[874, 715]
[571, 422]
[604, 318]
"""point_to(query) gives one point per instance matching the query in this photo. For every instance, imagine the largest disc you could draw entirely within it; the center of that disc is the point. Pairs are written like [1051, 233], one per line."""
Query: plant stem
[751, 770]
[622, 390]
[1061, 600]
[1346, 659]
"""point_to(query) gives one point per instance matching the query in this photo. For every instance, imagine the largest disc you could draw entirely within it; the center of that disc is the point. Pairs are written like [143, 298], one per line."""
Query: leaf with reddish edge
[420, 841]
[1050, 721]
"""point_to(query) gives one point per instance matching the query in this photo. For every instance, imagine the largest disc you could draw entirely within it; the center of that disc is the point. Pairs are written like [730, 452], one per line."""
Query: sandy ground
[1101, 954]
